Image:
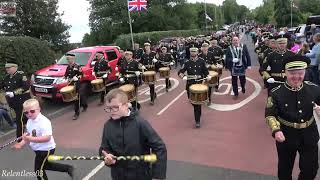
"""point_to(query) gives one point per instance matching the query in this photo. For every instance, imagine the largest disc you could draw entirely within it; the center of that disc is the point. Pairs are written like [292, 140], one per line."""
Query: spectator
[314, 57]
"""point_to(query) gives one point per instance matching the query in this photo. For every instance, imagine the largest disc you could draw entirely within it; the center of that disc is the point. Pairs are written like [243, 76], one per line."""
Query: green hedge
[30, 53]
[124, 41]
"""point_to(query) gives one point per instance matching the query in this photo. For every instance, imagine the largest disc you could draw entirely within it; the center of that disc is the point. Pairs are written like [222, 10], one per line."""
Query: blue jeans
[315, 74]
[5, 115]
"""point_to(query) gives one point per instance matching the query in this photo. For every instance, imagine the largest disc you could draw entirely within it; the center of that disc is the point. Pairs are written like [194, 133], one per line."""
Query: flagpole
[205, 13]
[130, 29]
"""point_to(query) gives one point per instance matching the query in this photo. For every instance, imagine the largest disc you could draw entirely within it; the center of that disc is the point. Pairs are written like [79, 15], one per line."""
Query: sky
[76, 14]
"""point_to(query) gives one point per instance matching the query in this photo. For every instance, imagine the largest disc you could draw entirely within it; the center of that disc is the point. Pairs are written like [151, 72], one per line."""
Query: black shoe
[235, 97]
[198, 125]
[217, 89]
[167, 89]
[243, 91]
[209, 103]
[75, 117]
[155, 95]
[72, 173]
[85, 109]
[151, 103]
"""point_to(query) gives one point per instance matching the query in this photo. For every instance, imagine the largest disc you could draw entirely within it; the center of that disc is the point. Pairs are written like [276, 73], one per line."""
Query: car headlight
[61, 80]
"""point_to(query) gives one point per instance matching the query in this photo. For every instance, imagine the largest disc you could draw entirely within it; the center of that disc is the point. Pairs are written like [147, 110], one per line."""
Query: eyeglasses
[109, 109]
[31, 112]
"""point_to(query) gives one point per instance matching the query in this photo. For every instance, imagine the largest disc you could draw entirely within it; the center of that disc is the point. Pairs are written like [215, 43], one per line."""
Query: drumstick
[280, 82]
[11, 142]
[146, 158]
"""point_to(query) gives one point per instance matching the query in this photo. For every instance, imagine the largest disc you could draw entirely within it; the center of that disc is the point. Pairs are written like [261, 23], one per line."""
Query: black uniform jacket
[194, 67]
[18, 84]
[294, 106]
[129, 136]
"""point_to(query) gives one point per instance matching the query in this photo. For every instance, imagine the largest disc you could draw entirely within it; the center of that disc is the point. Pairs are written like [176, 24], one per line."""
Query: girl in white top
[39, 136]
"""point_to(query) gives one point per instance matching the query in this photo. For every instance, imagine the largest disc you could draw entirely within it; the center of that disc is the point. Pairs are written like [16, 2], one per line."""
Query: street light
[291, 4]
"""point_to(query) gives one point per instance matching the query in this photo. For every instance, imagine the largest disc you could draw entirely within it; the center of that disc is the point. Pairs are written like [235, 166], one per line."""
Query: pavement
[233, 143]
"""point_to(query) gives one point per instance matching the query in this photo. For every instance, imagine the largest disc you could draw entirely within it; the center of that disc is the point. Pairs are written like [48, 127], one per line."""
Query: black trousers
[196, 110]
[81, 101]
[41, 164]
[102, 94]
[168, 83]
[135, 104]
[308, 161]
[152, 92]
[209, 93]
[16, 104]
[234, 80]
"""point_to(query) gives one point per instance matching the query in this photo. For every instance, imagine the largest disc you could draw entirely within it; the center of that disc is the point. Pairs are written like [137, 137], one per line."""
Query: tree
[39, 19]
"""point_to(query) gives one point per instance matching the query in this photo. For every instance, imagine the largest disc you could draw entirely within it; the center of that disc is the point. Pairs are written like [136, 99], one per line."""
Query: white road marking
[174, 100]
[230, 107]
[158, 88]
[94, 171]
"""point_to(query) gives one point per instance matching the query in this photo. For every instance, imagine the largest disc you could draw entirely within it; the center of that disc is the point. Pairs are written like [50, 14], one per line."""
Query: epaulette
[310, 83]
[275, 88]
[20, 72]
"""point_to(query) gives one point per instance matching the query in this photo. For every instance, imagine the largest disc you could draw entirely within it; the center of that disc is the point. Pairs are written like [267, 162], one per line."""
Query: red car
[48, 81]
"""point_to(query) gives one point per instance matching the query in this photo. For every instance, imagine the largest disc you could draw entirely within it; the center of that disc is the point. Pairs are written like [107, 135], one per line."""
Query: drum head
[67, 89]
[198, 88]
[97, 81]
[146, 73]
[213, 73]
[127, 87]
[164, 69]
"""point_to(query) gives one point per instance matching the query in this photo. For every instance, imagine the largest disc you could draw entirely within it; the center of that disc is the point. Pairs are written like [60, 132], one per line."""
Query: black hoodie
[132, 135]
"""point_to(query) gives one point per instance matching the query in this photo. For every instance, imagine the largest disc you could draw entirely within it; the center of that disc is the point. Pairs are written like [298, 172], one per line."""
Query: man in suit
[237, 61]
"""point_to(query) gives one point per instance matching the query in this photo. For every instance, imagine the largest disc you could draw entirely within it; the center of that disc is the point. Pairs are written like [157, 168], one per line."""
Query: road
[233, 142]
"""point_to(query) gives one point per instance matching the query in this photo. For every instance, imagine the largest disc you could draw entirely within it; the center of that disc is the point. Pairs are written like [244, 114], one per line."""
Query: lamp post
[291, 4]
[205, 13]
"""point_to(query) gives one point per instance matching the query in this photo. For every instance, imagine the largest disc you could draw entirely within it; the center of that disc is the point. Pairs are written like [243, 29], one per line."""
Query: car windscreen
[82, 58]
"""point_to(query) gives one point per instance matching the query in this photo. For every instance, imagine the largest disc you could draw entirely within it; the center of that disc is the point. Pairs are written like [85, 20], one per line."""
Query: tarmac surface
[233, 143]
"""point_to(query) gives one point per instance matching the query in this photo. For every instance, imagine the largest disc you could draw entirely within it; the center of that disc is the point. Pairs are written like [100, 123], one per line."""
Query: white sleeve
[47, 128]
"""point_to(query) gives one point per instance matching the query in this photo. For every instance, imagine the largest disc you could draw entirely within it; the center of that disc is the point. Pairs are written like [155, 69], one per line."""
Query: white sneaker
[232, 93]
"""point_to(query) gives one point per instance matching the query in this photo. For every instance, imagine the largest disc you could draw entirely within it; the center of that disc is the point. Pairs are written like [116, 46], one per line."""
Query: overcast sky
[76, 14]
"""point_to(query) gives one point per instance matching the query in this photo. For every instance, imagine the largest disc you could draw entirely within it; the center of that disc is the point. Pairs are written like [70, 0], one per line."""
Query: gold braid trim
[265, 75]
[18, 91]
[273, 123]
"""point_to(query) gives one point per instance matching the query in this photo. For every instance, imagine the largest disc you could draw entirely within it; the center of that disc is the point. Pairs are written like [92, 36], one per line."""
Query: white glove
[137, 73]
[208, 65]
[270, 80]
[154, 60]
[93, 73]
[10, 94]
[116, 68]
[209, 78]
[121, 80]
[171, 64]
[219, 66]
[235, 60]
[105, 75]
[75, 78]
[249, 67]
[143, 67]
[184, 78]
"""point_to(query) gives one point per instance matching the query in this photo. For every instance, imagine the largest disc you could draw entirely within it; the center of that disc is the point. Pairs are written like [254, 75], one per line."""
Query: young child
[39, 136]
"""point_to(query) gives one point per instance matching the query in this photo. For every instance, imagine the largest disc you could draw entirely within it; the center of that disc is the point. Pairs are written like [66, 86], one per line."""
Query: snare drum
[218, 69]
[198, 94]
[149, 77]
[69, 93]
[130, 91]
[214, 79]
[98, 85]
[164, 72]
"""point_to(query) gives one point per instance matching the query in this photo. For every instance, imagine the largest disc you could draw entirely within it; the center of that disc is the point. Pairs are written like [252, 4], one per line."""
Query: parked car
[48, 81]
